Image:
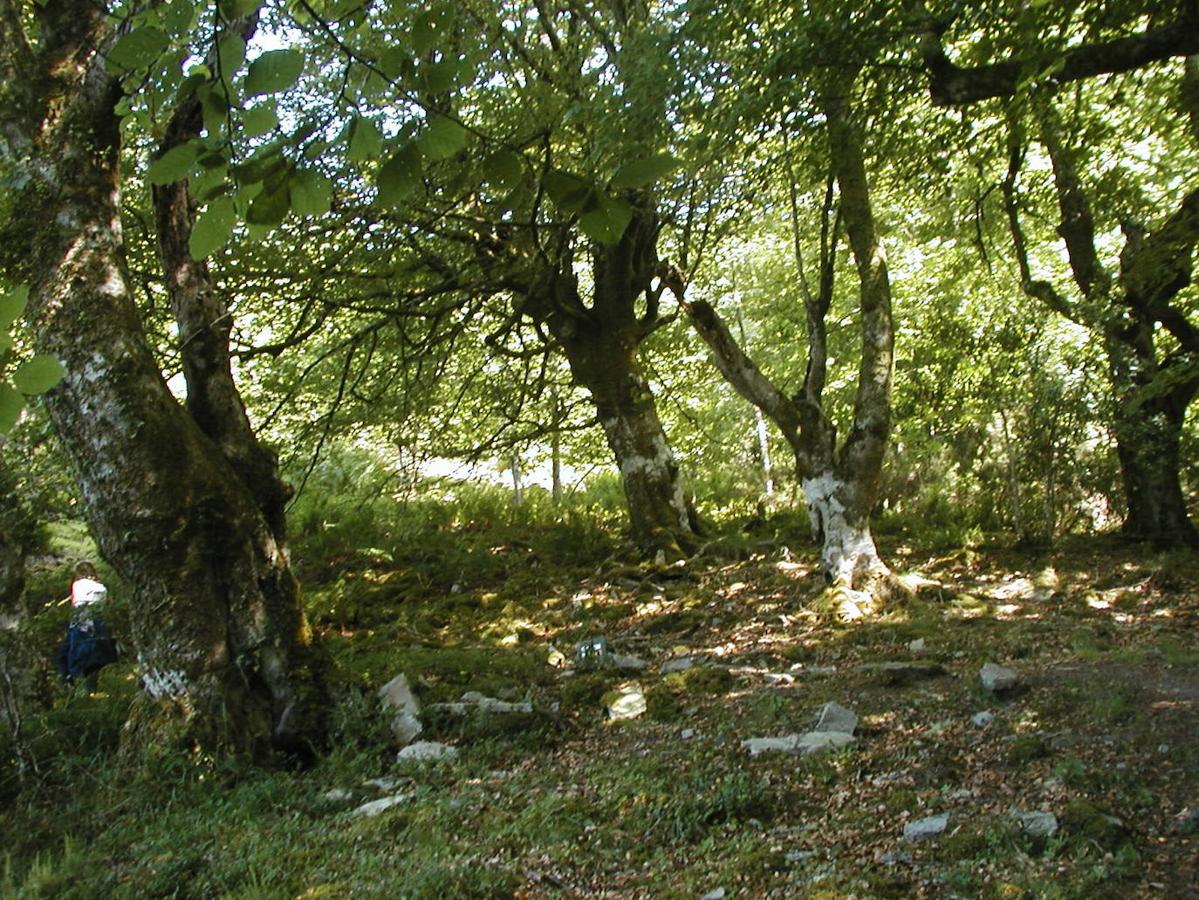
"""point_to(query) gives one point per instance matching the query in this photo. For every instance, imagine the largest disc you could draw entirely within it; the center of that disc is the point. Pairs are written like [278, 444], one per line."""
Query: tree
[1137, 306]
[220, 636]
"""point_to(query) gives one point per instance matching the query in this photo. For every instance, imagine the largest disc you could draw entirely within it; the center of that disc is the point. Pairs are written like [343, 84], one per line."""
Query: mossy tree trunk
[601, 342]
[222, 643]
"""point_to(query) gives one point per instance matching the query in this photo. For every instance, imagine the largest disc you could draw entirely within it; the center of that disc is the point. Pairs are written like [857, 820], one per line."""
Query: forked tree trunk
[221, 639]
[601, 343]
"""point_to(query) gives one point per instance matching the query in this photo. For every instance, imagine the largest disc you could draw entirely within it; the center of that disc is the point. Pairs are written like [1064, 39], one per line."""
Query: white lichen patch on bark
[164, 683]
[848, 550]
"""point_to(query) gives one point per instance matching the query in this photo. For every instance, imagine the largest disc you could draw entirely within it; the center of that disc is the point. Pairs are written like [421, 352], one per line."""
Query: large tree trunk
[1148, 423]
[221, 639]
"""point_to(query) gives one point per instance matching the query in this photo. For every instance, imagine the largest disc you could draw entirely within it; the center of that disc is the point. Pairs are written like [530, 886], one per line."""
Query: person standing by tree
[89, 645]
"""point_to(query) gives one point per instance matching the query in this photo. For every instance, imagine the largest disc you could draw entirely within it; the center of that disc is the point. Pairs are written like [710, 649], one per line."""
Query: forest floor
[564, 801]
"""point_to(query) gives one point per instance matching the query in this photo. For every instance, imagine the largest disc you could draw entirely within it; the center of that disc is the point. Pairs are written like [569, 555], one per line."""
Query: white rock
[687, 734]
[998, 678]
[835, 717]
[714, 894]
[922, 829]
[787, 744]
[681, 664]
[625, 702]
[1038, 824]
[798, 856]
[820, 741]
[397, 697]
[337, 795]
[383, 785]
[628, 663]
[427, 750]
[375, 807]
[982, 719]
[916, 646]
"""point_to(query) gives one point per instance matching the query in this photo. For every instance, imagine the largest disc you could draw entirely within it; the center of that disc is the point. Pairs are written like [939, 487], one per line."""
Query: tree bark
[221, 638]
[600, 341]
[841, 487]
[15, 532]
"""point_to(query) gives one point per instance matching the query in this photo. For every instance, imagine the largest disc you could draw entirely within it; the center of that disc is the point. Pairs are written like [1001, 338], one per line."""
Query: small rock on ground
[820, 741]
[997, 678]
[835, 717]
[1037, 824]
[982, 719]
[427, 751]
[375, 807]
[922, 829]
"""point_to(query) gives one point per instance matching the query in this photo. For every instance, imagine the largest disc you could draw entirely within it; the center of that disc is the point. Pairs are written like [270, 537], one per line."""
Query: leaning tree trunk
[221, 639]
[204, 323]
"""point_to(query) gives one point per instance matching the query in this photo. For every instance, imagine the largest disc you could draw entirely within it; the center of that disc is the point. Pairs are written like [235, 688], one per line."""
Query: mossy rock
[585, 691]
[708, 680]
[662, 704]
[1085, 821]
[1027, 748]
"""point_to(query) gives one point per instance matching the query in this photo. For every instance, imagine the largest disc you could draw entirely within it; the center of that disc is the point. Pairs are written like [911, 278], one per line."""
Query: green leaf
[271, 206]
[395, 61]
[503, 169]
[5, 345]
[238, 9]
[12, 305]
[424, 33]
[139, 48]
[213, 228]
[178, 16]
[608, 221]
[259, 120]
[230, 54]
[399, 177]
[38, 374]
[365, 140]
[442, 138]
[644, 172]
[11, 404]
[175, 164]
[275, 70]
[311, 193]
[569, 192]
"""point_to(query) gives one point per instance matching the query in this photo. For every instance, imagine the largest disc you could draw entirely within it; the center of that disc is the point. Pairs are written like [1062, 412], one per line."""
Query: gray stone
[625, 663]
[375, 807]
[895, 858]
[922, 829]
[625, 702]
[822, 741]
[337, 795]
[997, 678]
[397, 698]
[384, 785]
[427, 751]
[787, 744]
[681, 664]
[835, 717]
[1037, 824]
[916, 647]
[982, 719]
[687, 734]
[714, 894]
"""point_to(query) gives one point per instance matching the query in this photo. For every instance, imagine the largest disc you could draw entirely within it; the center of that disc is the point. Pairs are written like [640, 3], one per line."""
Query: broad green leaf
[175, 164]
[11, 404]
[395, 61]
[271, 206]
[365, 140]
[425, 31]
[503, 169]
[238, 9]
[275, 70]
[230, 54]
[399, 177]
[311, 193]
[644, 172]
[569, 192]
[259, 120]
[440, 77]
[215, 109]
[608, 221]
[178, 16]
[12, 305]
[38, 374]
[442, 138]
[213, 228]
[139, 48]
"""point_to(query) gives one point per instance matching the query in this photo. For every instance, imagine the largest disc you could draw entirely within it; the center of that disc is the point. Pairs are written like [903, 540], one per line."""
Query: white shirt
[85, 591]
